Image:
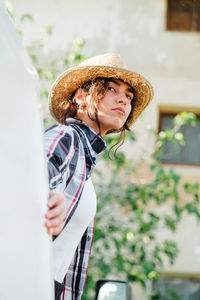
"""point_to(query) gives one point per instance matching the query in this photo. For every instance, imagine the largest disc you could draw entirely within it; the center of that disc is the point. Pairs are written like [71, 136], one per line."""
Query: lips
[120, 110]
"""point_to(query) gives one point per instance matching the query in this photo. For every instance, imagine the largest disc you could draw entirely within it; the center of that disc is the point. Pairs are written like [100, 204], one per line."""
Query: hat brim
[70, 80]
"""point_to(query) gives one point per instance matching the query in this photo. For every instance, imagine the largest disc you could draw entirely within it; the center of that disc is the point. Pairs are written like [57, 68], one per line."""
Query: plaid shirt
[71, 154]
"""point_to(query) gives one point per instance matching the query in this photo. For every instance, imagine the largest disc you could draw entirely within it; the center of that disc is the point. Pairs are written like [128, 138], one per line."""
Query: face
[113, 108]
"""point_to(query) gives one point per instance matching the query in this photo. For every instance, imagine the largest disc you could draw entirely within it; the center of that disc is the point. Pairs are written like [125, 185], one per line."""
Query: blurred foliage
[48, 68]
[169, 294]
[130, 210]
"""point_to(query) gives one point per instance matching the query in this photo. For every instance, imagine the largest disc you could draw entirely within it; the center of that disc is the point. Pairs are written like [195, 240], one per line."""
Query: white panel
[25, 256]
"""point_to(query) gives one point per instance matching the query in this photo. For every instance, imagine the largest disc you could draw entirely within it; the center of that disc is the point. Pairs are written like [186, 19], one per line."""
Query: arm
[57, 146]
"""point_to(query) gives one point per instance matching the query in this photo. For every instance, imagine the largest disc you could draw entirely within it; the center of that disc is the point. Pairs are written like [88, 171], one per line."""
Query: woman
[98, 97]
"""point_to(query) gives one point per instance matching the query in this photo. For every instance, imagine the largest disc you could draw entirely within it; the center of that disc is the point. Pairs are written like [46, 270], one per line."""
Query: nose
[122, 98]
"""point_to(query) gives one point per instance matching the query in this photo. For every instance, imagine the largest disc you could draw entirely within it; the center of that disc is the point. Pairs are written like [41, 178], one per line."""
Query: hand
[55, 217]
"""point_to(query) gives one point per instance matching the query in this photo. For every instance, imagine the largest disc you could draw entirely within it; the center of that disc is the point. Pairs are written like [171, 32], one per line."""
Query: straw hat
[106, 65]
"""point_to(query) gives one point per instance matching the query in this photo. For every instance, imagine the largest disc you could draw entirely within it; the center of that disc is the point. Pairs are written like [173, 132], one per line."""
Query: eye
[110, 88]
[129, 97]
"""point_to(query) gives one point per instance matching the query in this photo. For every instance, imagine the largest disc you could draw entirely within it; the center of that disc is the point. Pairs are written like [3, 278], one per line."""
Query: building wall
[135, 30]
[170, 60]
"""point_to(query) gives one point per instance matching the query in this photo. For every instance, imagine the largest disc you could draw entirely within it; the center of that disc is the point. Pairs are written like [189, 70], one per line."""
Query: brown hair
[95, 88]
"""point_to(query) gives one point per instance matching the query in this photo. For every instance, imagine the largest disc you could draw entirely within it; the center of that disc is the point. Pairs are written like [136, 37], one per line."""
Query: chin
[111, 123]
[117, 125]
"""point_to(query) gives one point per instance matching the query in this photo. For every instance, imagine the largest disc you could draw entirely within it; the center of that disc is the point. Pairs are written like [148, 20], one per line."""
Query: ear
[81, 98]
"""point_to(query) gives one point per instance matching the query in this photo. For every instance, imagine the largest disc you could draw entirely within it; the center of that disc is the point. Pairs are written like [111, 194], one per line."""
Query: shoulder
[63, 137]
[58, 131]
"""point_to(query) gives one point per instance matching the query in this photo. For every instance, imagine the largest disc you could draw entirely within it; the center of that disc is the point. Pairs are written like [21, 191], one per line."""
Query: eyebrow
[117, 83]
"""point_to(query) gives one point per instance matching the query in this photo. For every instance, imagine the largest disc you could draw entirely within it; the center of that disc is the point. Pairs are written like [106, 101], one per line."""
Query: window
[183, 15]
[178, 288]
[175, 153]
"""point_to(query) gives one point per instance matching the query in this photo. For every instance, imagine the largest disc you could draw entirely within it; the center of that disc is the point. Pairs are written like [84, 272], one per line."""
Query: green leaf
[171, 250]
[170, 223]
[185, 117]
[191, 208]
[49, 29]
[26, 17]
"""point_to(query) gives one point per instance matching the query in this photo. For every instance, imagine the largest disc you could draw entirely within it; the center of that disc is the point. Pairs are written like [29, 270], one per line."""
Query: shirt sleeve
[66, 165]
[59, 152]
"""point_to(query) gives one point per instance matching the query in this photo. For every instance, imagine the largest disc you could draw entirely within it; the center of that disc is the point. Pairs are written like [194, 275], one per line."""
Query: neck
[83, 116]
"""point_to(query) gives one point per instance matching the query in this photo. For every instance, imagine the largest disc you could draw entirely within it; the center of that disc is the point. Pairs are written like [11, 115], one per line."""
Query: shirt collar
[96, 140]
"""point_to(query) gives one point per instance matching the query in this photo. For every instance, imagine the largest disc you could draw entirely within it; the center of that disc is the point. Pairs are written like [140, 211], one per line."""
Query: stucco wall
[135, 30]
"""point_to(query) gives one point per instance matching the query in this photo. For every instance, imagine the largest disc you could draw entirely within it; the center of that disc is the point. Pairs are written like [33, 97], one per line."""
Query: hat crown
[108, 59]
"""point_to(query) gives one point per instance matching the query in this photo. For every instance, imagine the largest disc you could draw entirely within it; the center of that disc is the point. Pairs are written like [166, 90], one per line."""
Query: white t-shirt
[65, 244]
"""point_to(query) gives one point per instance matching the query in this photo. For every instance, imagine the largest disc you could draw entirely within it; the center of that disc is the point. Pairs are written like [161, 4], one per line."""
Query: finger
[55, 231]
[51, 193]
[54, 212]
[55, 199]
[54, 223]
